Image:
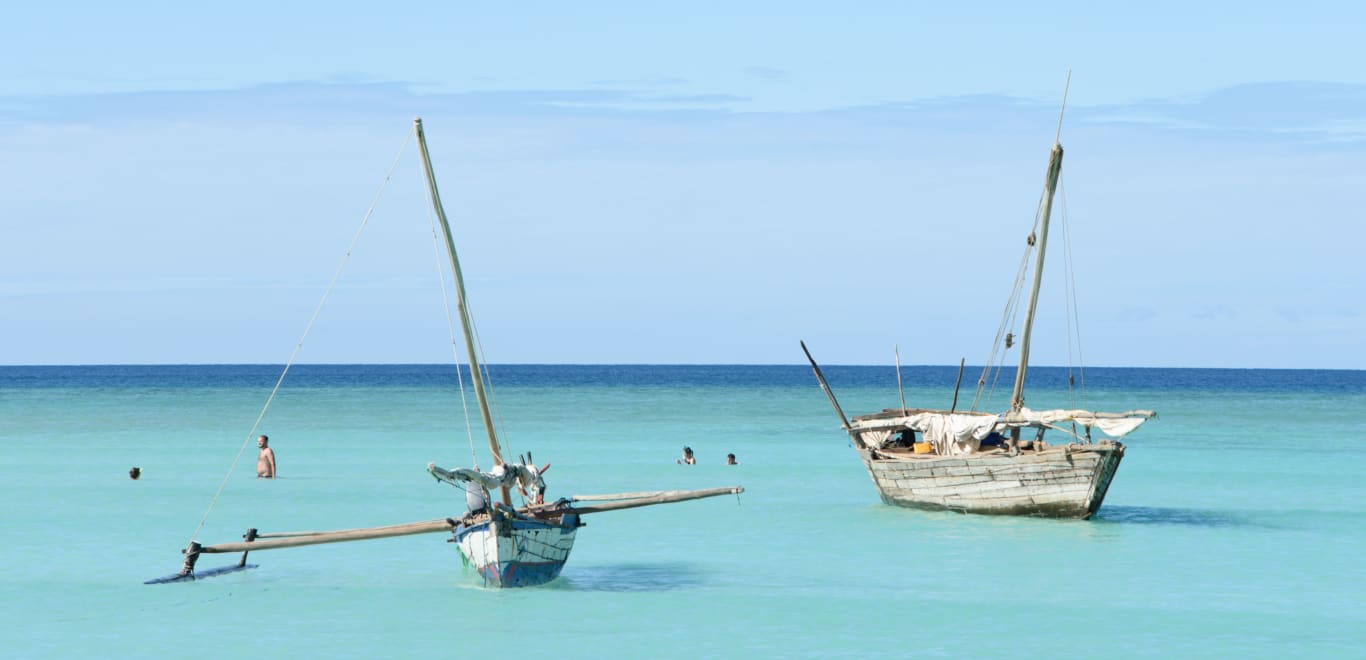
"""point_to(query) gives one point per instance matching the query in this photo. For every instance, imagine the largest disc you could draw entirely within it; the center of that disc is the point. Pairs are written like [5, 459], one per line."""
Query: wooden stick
[661, 497]
[820, 378]
[957, 384]
[615, 496]
[296, 539]
[899, 390]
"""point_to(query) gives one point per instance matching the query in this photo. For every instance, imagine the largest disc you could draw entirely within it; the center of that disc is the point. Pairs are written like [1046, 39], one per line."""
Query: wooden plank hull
[517, 552]
[1058, 482]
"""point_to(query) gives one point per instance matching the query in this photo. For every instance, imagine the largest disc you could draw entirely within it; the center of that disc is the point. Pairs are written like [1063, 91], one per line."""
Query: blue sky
[681, 182]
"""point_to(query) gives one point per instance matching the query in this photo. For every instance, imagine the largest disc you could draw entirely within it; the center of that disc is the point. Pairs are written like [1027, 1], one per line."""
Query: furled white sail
[961, 433]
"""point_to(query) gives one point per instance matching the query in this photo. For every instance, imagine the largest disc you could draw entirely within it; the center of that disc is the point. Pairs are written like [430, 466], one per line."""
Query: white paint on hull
[514, 553]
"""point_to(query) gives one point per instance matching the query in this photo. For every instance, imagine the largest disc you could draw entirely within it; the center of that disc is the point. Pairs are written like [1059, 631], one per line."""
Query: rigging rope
[455, 350]
[442, 274]
[1073, 312]
[297, 347]
[1012, 304]
[488, 383]
[992, 370]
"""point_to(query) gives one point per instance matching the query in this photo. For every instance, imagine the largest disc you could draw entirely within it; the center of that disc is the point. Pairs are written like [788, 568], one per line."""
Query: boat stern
[515, 552]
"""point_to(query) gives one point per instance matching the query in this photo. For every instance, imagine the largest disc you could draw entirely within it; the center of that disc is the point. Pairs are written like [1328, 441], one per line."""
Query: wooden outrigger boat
[508, 545]
[977, 462]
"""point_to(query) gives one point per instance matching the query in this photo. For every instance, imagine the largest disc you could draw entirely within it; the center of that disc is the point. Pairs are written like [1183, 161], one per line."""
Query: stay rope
[493, 395]
[494, 408]
[455, 351]
[992, 370]
[1012, 304]
[450, 328]
[365, 221]
[1076, 388]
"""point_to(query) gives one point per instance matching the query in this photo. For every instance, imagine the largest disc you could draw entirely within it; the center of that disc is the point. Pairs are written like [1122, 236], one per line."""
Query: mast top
[1057, 137]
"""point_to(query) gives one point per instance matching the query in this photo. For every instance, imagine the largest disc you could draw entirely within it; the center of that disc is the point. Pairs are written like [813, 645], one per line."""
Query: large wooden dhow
[1010, 463]
[955, 471]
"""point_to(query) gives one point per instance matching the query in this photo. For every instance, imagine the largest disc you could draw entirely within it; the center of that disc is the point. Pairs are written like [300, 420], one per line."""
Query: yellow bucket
[923, 448]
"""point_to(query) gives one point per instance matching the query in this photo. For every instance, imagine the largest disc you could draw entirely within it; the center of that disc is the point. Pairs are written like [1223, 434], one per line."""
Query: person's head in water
[687, 456]
[730, 459]
[135, 473]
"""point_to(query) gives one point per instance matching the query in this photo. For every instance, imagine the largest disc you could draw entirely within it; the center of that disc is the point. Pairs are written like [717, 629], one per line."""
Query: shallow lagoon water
[1233, 528]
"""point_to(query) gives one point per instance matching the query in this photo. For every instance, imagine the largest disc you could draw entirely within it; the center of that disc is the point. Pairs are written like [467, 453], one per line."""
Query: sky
[682, 183]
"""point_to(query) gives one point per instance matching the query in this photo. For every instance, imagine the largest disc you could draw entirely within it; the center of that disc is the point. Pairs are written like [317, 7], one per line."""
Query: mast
[1054, 170]
[1051, 187]
[475, 374]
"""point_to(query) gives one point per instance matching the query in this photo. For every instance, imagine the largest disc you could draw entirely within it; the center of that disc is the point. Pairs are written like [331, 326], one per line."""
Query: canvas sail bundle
[954, 434]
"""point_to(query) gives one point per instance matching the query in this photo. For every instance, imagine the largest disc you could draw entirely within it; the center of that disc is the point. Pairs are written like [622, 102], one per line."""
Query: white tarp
[960, 433]
[954, 433]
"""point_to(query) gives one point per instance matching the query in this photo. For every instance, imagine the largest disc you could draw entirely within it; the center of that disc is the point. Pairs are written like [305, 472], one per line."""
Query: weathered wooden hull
[1058, 482]
[516, 552]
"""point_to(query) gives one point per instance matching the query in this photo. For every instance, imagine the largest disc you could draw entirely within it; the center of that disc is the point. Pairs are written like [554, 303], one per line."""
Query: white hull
[1058, 482]
[514, 552]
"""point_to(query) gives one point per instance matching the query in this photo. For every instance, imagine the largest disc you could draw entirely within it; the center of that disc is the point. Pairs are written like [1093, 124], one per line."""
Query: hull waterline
[1059, 482]
[515, 552]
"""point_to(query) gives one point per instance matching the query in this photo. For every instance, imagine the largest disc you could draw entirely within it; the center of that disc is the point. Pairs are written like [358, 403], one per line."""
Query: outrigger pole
[257, 541]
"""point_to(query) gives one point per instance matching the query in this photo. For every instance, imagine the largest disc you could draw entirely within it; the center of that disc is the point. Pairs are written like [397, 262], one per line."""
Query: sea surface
[1235, 528]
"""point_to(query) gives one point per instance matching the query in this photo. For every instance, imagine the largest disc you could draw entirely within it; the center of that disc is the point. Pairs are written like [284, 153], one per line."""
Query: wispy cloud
[285, 100]
[1306, 110]
[1291, 111]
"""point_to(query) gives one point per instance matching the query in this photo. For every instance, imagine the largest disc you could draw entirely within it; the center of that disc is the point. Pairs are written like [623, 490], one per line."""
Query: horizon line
[638, 364]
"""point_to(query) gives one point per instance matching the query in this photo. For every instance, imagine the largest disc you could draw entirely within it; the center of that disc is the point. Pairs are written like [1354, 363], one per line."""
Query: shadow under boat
[671, 576]
[1147, 515]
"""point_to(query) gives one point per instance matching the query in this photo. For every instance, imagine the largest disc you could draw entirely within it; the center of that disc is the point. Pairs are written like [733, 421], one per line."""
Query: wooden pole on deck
[899, 389]
[958, 384]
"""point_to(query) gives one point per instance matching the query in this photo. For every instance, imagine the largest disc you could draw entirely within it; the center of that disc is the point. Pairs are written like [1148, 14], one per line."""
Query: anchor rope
[365, 221]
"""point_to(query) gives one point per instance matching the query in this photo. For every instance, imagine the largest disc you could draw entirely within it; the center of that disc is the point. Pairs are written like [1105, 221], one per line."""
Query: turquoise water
[1235, 526]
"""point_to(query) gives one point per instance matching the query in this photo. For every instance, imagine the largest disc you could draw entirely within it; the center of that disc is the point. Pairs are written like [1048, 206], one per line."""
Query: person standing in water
[265, 461]
[687, 457]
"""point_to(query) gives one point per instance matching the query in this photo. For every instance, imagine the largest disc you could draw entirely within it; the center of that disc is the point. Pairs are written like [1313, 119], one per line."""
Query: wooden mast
[1054, 169]
[475, 373]
[1051, 186]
